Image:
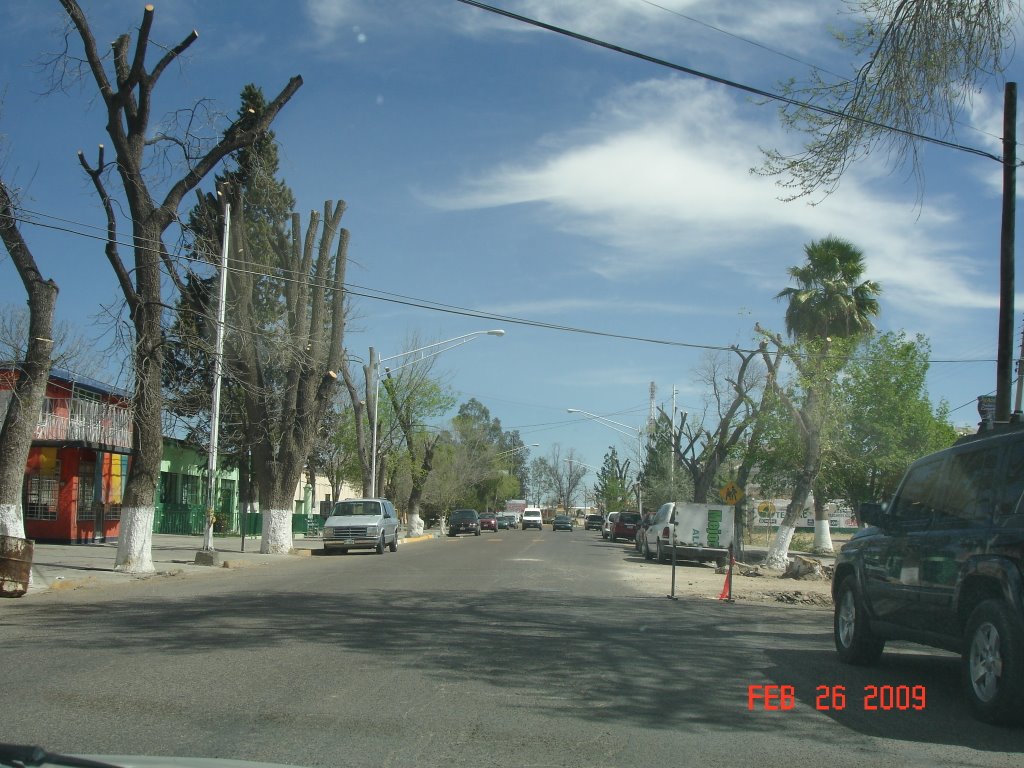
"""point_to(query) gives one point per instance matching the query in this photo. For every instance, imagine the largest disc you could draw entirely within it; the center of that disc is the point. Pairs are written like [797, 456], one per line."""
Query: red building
[78, 463]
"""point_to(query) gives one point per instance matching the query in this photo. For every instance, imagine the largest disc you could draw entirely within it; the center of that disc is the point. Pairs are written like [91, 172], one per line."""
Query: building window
[41, 491]
[86, 491]
[191, 489]
[113, 512]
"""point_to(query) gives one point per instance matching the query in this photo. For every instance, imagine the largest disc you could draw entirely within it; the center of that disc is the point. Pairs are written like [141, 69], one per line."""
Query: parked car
[942, 565]
[562, 523]
[489, 522]
[532, 519]
[593, 522]
[361, 524]
[464, 521]
[624, 526]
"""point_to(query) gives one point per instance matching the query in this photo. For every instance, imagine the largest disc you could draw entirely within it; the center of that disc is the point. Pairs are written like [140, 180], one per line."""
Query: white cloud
[330, 18]
[679, 25]
[661, 175]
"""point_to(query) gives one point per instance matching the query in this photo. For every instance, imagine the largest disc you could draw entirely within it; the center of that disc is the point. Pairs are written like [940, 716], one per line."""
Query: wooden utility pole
[1004, 355]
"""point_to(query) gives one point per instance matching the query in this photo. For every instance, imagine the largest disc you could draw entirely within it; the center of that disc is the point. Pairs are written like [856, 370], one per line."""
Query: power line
[377, 294]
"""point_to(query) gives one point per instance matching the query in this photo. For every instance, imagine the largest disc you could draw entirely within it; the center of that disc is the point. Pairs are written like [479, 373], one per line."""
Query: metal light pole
[375, 362]
[218, 355]
[618, 426]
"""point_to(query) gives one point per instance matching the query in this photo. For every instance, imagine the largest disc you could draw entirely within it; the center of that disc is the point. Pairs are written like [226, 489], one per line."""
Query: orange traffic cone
[726, 593]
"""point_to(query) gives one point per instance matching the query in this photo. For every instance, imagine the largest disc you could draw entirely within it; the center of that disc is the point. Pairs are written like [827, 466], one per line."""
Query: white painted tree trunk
[822, 538]
[11, 522]
[778, 553]
[135, 541]
[415, 527]
[277, 532]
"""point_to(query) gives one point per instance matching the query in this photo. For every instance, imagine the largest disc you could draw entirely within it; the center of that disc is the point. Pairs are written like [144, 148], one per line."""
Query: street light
[375, 362]
[624, 429]
[519, 448]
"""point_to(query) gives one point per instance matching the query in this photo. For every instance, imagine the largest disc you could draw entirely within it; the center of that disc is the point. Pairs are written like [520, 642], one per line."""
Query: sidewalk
[73, 566]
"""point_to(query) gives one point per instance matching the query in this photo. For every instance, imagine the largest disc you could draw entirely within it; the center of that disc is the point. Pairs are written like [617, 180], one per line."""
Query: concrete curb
[59, 567]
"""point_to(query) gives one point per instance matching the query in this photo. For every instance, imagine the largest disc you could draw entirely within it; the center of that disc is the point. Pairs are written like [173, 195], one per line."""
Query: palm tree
[829, 302]
[828, 299]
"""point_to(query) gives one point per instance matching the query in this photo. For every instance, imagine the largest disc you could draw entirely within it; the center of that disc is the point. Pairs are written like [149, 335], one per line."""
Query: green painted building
[181, 496]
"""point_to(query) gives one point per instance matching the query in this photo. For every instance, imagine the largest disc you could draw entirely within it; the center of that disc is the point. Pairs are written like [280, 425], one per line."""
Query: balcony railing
[79, 419]
[87, 421]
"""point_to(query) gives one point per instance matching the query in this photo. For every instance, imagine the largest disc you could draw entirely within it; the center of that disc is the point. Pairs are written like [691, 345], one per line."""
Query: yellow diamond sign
[731, 493]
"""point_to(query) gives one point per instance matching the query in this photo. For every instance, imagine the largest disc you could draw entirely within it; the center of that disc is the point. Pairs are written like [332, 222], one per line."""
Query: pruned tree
[126, 93]
[285, 399]
[559, 476]
[706, 440]
[33, 371]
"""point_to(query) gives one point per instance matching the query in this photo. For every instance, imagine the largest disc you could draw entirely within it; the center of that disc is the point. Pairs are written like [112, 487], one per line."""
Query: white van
[361, 524]
[532, 519]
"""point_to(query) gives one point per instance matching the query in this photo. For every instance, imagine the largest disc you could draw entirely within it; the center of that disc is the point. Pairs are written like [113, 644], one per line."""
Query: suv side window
[970, 497]
[913, 508]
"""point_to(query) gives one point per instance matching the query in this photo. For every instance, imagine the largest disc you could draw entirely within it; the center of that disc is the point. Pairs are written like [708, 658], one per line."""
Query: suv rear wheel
[993, 680]
[854, 640]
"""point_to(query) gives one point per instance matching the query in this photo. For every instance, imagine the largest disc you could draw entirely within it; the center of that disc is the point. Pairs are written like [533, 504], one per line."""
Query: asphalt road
[508, 649]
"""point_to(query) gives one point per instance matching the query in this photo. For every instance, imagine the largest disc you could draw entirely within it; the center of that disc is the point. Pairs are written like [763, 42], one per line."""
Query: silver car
[361, 524]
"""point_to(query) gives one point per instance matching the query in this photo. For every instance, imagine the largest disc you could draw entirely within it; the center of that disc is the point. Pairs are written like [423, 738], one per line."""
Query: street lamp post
[627, 430]
[375, 363]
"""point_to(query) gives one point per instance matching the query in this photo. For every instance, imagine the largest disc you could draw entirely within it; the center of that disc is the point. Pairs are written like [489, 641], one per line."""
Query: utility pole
[1004, 355]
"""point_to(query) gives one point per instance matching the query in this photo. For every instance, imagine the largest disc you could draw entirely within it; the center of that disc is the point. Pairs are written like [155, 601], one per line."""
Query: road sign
[731, 493]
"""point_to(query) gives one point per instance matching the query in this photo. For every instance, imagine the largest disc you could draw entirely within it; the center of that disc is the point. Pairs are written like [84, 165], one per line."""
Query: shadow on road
[659, 664]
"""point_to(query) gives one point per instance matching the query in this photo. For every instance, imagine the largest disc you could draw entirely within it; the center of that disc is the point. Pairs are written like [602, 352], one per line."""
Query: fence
[190, 520]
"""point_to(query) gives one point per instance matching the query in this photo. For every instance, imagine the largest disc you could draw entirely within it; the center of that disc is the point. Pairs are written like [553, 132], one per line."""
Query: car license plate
[350, 542]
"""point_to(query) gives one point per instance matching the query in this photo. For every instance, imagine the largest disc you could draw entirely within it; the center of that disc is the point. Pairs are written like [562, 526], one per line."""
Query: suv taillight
[665, 532]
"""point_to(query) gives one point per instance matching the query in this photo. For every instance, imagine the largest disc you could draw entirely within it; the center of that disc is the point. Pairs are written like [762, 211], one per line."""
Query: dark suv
[941, 565]
[464, 521]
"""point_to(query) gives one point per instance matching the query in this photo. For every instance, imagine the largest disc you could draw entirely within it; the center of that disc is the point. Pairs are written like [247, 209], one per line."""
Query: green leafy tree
[476, 430]
[188, 367]
[613, 488]
[888, 421]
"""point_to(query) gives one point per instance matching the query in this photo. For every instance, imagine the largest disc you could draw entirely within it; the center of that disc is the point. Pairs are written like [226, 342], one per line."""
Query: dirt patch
[704, 581]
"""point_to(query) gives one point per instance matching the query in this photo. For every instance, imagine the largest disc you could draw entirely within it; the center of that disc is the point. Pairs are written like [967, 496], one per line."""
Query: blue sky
[496, 167]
